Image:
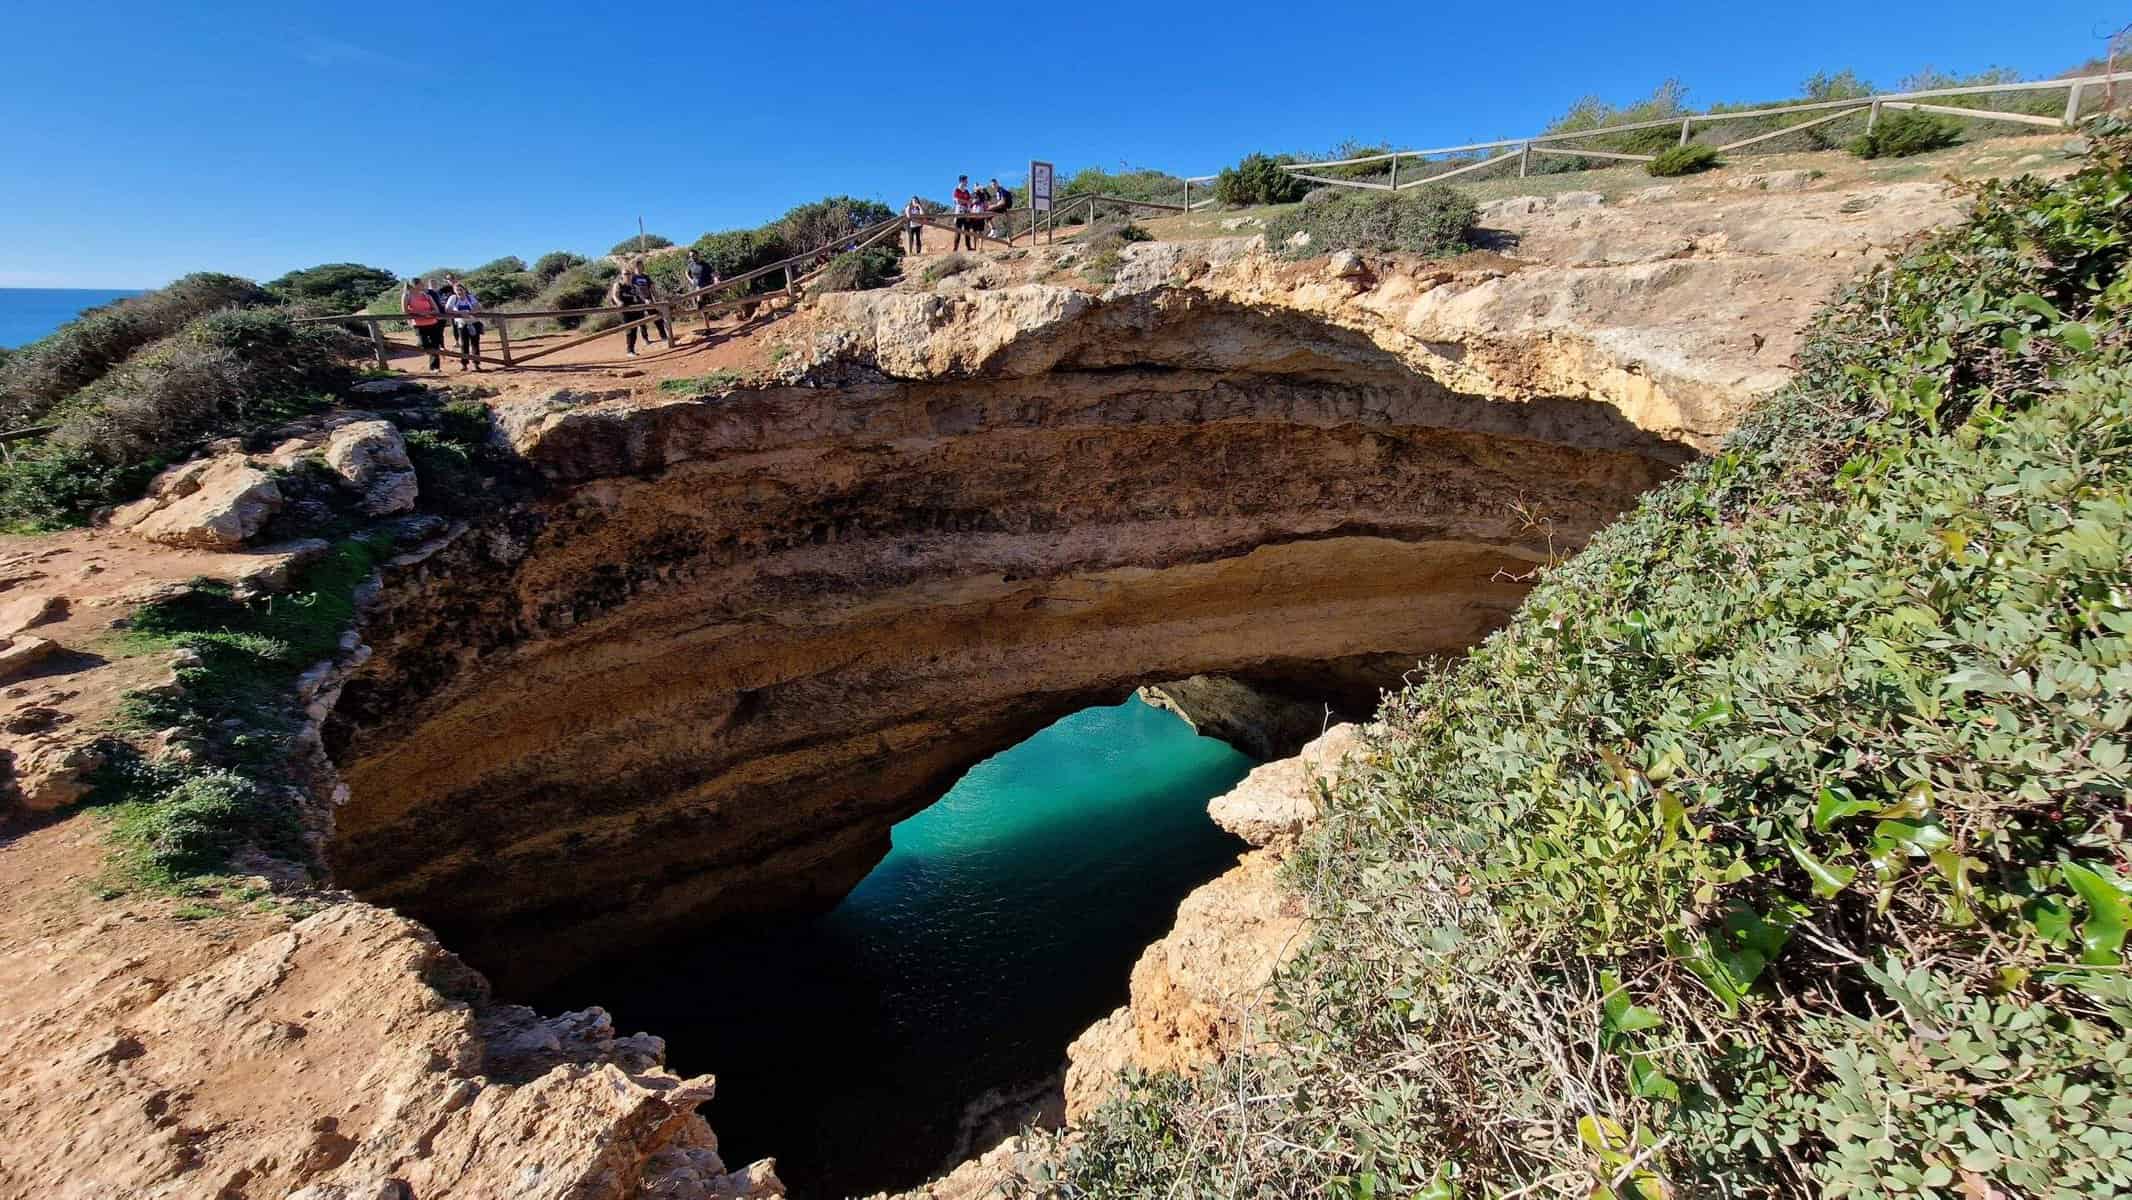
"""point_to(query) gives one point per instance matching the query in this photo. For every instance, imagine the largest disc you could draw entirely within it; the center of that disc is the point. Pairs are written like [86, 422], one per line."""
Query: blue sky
[146, 140]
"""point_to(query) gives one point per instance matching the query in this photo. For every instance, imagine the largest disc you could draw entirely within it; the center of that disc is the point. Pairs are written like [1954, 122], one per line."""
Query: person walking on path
[965, 203]
[462, 305]
[633, 291]
[914, 225]
[700, 276]
[420, 305]
[1002, 204]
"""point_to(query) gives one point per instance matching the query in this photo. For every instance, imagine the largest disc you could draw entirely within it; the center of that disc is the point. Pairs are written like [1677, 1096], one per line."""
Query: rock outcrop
[372, 457]
[1198, 993]
[213, 503]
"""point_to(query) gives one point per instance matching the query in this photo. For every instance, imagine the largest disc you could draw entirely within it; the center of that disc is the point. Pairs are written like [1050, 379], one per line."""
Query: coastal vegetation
[1777, 847]
[1433, 218]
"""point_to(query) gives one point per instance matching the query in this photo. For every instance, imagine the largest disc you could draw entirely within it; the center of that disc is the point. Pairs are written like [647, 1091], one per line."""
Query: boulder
[24, 612]
[1277, 800]
[206, 504]
[22, 652]
[372, 456]
[385, 389]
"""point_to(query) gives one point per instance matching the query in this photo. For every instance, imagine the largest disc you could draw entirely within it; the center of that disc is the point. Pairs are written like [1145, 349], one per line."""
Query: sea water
[27, 314]
[1005, 920]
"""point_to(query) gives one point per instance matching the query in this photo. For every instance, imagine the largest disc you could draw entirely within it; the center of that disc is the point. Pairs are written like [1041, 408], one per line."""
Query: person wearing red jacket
[420, 305]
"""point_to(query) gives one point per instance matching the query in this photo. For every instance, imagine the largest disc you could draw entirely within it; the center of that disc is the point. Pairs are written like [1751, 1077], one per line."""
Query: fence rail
[1524, 148]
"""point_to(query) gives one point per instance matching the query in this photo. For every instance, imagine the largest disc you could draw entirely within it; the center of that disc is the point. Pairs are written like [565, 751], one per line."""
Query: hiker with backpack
[633, 292]
[419, 302]
[700, 277]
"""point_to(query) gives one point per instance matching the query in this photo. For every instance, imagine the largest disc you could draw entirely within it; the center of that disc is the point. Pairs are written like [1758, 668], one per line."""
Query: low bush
[1259, 179]
[1901, 134]
[947, 265]
[701, 385]
[1682, 160]
[638, 245]
[1434, 218]
[332, 287]
[860, 270]
[1130, 183]
[581, 286]
[554, 263]
[41, 374]
[738, 251]
[826, 222]
[1778, 846]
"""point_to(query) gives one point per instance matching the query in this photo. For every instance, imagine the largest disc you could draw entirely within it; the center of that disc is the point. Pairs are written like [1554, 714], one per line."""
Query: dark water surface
[27, 314]
[1005, 921]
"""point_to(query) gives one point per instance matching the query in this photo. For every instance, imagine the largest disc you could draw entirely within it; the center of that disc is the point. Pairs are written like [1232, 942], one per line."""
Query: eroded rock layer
[747, 634]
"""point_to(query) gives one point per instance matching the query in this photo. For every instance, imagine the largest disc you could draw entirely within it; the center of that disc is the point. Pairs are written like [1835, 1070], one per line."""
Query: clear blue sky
[143, 140]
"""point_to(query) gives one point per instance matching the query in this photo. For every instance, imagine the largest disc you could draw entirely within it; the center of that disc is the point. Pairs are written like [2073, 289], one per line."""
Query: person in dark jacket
[634, 291]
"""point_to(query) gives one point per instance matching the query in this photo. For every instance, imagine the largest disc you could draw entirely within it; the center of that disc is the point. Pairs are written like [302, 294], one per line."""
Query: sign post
[1039, 196]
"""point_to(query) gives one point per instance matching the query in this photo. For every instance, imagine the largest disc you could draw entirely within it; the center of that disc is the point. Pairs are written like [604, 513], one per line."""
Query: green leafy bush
[582, 286]
[1434, 218]
[554, 263]
[1666, 102]
[1129, 183]
[825, 222]
[1778, 846]
[859, 270]
[1682, 160]
[1259, 179]
[43, 373]
[638, 245]
[1901, 134]
[332, 287]
[738, 251]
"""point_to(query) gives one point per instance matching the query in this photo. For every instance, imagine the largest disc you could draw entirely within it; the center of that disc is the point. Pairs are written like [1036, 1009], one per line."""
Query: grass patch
[947, 266]
[1777, 847]
[701, 385]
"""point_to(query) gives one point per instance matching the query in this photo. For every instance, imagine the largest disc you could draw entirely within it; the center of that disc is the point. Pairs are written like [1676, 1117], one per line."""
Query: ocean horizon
[27, 314]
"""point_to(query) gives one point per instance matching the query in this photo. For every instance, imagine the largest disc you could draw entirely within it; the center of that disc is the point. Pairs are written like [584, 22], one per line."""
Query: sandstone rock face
[343, 1055]
[743, 635]
[209, 504]
[1260, 722]
[372, 457]
[1198, 994]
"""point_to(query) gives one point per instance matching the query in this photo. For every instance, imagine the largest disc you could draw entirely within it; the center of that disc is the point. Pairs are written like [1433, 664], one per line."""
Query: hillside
[1777, 846]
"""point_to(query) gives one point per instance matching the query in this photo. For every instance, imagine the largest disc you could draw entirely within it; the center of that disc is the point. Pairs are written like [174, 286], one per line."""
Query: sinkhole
[927, 1014]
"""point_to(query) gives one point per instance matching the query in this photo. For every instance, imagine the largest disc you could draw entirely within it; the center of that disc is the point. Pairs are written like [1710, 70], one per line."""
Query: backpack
[1006, 197]
[625, 293]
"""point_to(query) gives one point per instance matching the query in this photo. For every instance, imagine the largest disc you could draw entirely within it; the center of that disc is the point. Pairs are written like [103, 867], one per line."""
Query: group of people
[428, 308]
[973, 209]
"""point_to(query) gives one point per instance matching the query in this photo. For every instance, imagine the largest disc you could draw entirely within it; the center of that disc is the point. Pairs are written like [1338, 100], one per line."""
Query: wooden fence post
[1395, 171]
[1873, 116]
[2072, 104]
[1684, 123]
[1524, 159]
[1188, 183]
[377, 343]
[503, 337]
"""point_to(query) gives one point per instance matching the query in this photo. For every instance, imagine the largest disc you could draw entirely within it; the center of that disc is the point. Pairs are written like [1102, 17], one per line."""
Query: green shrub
[46, 486]
[1259, 179]
[701, 385]
[332, 287]
[947, 265]
[221, 374]
[1103, 250]
[738, 251]
[1682, 160]
[41, 374]
[582, 286]
[1130, 183]
[497, 288]
[554, 263]
[826, 222]
[1777, 847]
[1434, 218]
[1666, 102]
[859, 270]
[638, 245]
[1904, 133]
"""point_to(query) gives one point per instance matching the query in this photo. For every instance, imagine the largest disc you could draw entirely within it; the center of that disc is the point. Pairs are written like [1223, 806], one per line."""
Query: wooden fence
[1524, 149]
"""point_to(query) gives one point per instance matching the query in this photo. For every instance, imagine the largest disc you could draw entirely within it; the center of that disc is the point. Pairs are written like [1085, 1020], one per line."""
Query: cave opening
[926, 1016]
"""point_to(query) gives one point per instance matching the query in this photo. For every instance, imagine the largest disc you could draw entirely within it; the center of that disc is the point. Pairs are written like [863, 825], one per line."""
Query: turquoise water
[1005, 920]
[27, 314]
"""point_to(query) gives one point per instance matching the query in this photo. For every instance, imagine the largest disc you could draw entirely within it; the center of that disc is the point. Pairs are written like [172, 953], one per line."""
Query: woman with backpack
[420, 305]
[462, 305]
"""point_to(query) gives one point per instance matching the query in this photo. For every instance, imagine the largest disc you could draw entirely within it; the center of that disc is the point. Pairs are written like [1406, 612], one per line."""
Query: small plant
[1433, 219]
[1902, 134]
[859, 270]
[947, 265]
[1682, 160]
[1259, 179]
